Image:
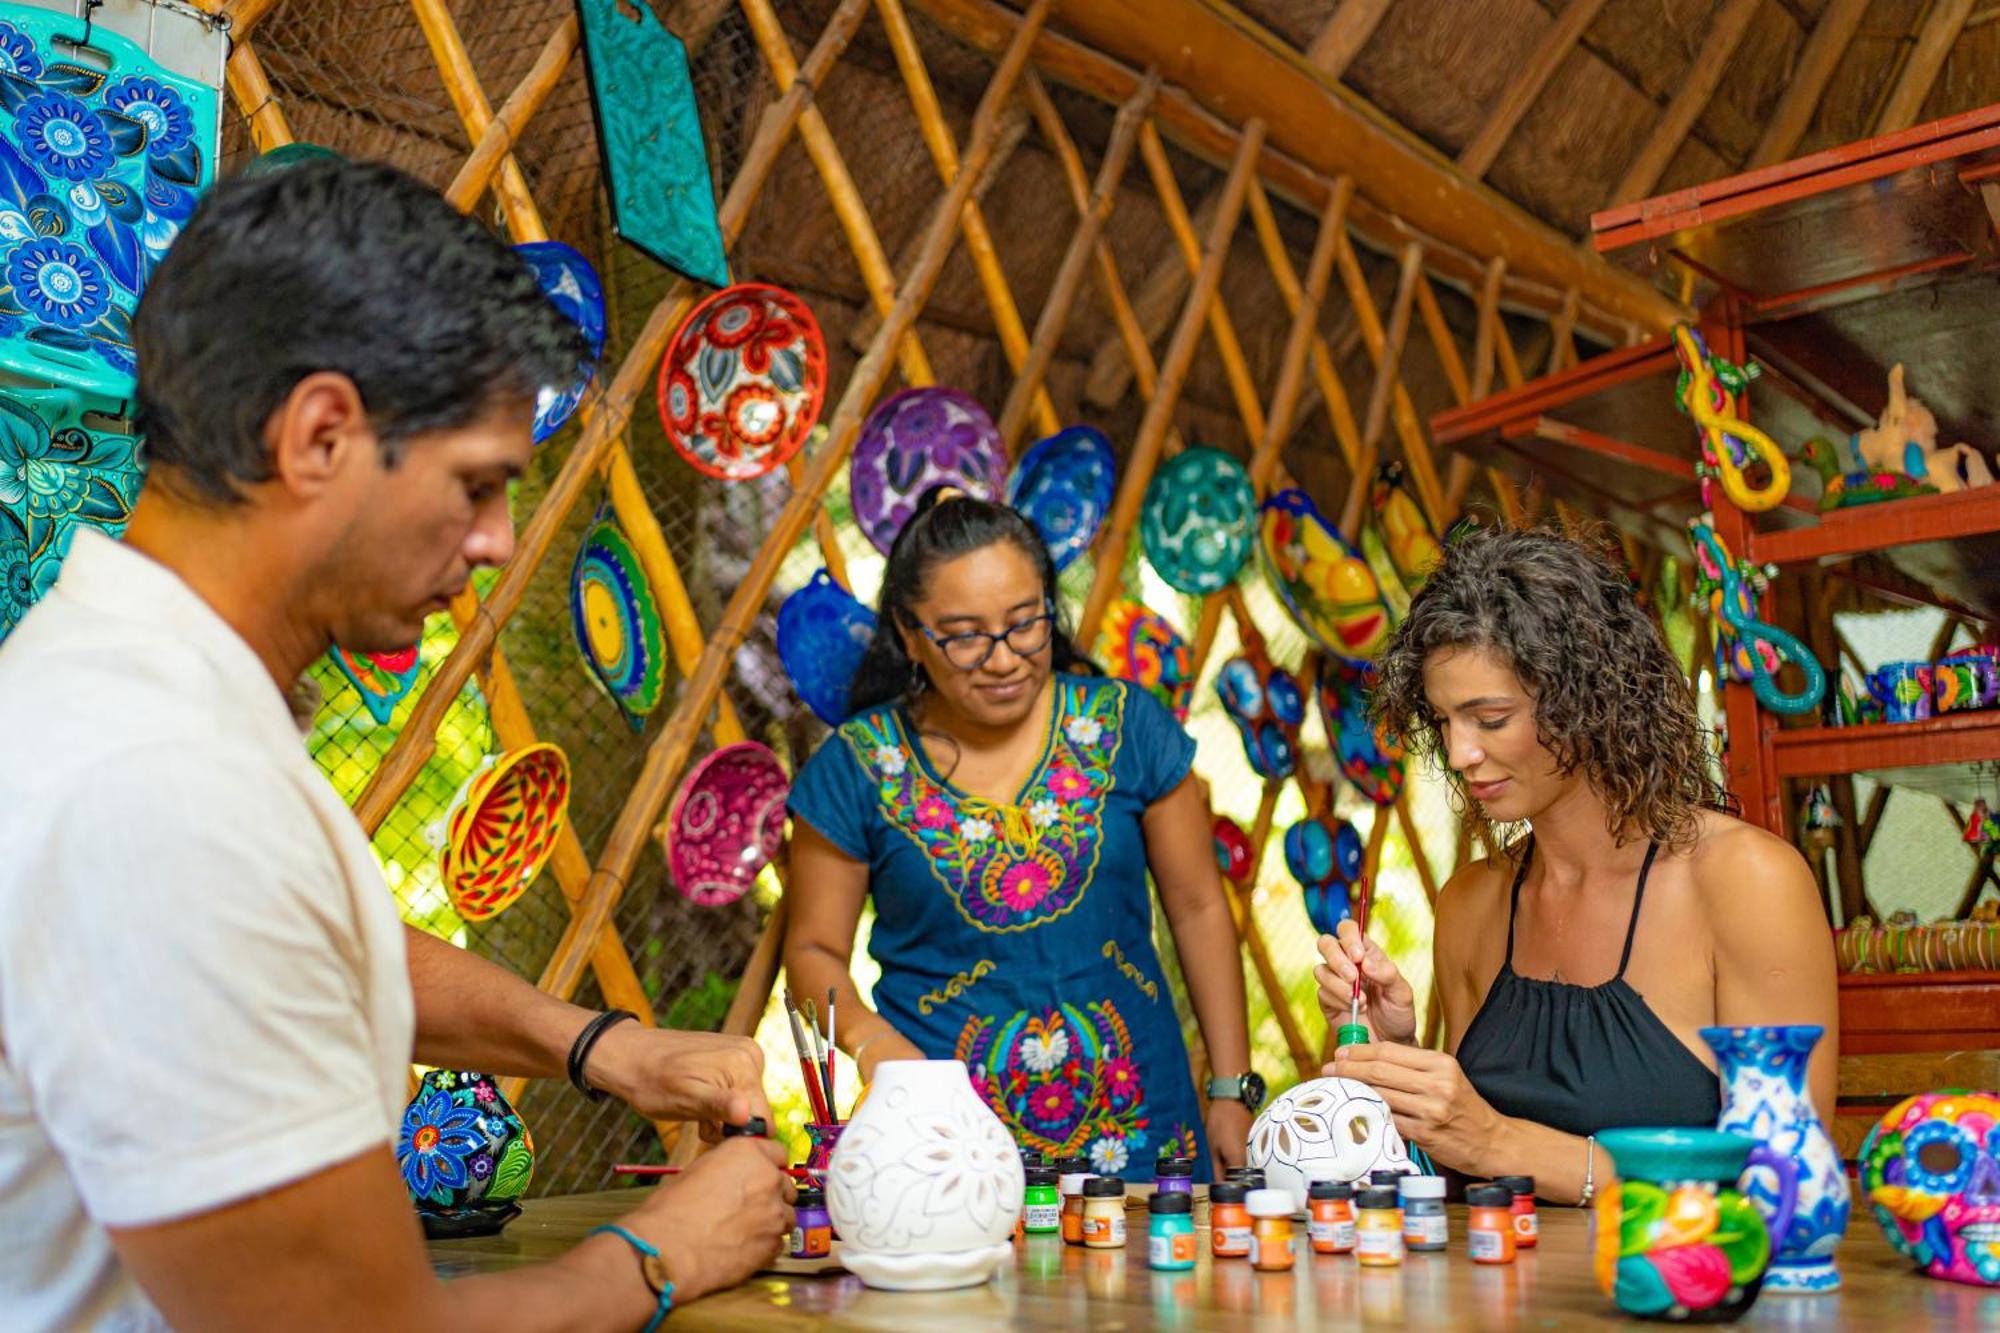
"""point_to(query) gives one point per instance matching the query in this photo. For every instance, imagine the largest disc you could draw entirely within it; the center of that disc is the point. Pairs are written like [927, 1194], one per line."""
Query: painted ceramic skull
[1325, 1129]
[1931, 1171]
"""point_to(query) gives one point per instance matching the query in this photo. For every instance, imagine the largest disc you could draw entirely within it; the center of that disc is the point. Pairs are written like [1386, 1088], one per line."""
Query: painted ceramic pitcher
[1676, 1238]
[1764, 1097]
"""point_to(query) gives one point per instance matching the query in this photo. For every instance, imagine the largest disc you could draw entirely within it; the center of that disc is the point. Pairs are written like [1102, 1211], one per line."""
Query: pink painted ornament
[726, 823]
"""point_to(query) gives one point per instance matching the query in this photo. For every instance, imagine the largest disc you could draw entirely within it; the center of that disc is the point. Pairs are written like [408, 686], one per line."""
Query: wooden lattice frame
[593, 889]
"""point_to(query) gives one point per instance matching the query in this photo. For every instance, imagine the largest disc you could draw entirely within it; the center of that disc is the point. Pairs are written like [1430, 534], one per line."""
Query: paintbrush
[805, 1063]
[639, 1169]
[818, 1040]
[1354, 1008]
[831, 1051]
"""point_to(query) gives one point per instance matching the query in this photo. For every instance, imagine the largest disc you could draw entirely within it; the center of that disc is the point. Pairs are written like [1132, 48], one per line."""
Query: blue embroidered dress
[1019, 939]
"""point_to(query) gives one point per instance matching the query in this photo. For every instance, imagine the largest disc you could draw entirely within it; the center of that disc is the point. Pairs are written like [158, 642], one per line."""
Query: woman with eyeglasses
[1002, 802]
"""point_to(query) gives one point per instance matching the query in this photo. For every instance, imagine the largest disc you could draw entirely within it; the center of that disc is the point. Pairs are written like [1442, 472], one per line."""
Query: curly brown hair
[1609, 699]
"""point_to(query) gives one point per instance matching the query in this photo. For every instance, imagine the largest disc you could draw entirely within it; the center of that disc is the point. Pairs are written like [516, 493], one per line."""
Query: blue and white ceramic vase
[1764, 1096]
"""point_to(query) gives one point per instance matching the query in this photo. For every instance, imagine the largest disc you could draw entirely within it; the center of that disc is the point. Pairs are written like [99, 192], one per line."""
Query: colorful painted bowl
[1063, 485]
[1198, 520]
[1368, 756]
[1142, 646]
[915, 440]
[743, 380]
[465, 1155]
[571, 285]
[616, 621]
[381, 679]
[823, 633]
[1325, 584]
[1232, 851]
[498, 841]
[726, 822]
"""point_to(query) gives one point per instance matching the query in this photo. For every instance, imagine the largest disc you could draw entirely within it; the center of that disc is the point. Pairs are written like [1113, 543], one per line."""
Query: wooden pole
[1333, 393]
[1557, 41]
[1274, 988]
[1807, 84]
[412, 747]
[1698, 85]
[1430, 491]
[978, 239]
[1278, 422]
[1386, 381]
[840, 188]
[497, 140]
[251, 89]
[1335, 45]
[670, 750]
[1076, 259]
[461, 84]
[1934, 42]
[1173, 375]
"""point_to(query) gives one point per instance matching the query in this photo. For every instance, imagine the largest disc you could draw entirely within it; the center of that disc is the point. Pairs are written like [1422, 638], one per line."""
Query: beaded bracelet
[652, 1267]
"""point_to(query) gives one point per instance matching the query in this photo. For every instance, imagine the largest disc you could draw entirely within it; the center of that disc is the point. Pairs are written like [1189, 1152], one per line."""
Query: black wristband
[579, 1050]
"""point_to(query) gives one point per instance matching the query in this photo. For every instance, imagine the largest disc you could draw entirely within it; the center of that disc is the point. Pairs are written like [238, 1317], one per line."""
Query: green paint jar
[1041, 1205]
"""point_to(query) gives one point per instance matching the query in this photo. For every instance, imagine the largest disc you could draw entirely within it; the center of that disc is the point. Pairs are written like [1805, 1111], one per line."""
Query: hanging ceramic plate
[1198, 520]
[102, 157]
[915, 440]
[1412, 548]
[743, 381]
[381, 679]
[1063, 485]
[571, 285]
[55, 477]
[1368, 756]
[1324, 582]
[726, 822]
[1142, 646]
[823, 633]
[500, 840]
[616, 621]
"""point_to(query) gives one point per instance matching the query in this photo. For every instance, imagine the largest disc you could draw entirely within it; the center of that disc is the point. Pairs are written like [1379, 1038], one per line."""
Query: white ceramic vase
[925, 1185]
[1336, 1129]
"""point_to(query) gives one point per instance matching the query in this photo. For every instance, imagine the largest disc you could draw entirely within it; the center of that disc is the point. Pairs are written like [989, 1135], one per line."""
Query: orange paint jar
[1071, 1187]
[1489, 1224]
[1228, 1222]
[1271, 1246]
[1527, 1226]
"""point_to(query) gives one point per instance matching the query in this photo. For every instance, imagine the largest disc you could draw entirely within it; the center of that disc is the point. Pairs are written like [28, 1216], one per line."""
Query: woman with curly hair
[1625, 911]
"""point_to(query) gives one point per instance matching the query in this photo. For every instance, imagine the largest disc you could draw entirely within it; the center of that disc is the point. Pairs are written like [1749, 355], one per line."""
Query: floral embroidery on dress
[1063, 1081]
[1007, 868]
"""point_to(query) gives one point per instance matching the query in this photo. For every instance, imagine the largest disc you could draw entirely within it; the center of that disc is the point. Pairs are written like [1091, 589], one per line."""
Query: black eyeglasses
[971, 650]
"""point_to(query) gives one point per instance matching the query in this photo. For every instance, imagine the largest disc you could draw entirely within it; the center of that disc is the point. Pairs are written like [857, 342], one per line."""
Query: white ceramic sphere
[1325, 1129]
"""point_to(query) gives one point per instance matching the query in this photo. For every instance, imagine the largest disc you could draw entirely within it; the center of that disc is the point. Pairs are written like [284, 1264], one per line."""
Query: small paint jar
[1351, 1034]
[1378, 1228]
[1424, 1227]
[1174, 1175]
[1271, 1248]
[1489, 1224]
[1170, 1243]
[1249, 1177]
[1386, 1180]
[1041, 1205]
[1104, 1213]
[1331, 1226]
[1228, 1221]
[1527, 1226]
[1070, 1186]
[812, 1227]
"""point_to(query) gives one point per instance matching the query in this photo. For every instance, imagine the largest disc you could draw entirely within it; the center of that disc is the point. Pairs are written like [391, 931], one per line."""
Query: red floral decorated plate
[500, 838]
[743, 380]
[726, 822]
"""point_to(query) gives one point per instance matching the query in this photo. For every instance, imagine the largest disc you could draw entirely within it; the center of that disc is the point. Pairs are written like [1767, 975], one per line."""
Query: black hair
[947, 524]
[333, 265]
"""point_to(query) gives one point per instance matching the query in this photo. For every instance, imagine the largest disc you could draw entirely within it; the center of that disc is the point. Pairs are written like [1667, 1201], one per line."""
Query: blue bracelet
[649, 1258]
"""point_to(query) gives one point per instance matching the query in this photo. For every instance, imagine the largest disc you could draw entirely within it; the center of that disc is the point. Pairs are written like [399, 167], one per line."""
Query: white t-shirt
[203, 988]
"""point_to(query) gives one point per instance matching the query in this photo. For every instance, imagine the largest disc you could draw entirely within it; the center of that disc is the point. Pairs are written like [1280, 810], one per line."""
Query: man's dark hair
[340, 266]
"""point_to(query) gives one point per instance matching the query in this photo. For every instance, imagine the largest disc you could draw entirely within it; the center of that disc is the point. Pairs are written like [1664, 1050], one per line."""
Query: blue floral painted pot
[1764, 1081]
[465, 1156]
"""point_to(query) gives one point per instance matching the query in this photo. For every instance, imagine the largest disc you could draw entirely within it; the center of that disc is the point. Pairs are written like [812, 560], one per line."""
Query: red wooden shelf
[1949, 543]
[1885, 747]
[1919, 1011]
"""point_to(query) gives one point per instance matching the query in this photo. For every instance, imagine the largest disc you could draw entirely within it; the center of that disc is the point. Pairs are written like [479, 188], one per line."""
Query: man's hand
[1228, 1126]
[667, 1075]
[723, 1218]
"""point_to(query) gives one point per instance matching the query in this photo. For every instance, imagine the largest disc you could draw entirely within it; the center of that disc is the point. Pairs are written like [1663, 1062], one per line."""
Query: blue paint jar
[1170, 1243]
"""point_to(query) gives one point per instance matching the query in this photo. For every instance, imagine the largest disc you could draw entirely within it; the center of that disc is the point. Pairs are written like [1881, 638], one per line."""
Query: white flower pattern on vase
[924, 1179]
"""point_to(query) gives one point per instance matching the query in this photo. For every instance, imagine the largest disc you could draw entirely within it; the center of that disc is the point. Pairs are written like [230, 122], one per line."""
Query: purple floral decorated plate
[1063, 486]
[571, 285]
[1199, 520]
[823, 633]
[915, 440]
[742, 382]
[726, 822]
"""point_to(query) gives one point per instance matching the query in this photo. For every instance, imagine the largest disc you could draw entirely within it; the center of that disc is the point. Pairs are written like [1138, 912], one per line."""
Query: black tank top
[1583, 1059]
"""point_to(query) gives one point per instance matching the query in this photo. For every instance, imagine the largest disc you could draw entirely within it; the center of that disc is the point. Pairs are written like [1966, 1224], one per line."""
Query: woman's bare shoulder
[1473, 900]
[1748, 877]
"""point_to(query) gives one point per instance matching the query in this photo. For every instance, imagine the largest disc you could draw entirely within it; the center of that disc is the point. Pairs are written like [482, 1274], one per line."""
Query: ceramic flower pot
[1325, 1129]
[823, 633]
[1764, 1082]
[501, 836]
[465, 1156]
[925, 1185]
[1677, 1239]
[571, 285]
[1142, 646]
[1198, 520]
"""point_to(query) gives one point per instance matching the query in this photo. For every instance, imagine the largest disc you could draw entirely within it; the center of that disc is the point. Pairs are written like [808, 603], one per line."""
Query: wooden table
[1052, 1285]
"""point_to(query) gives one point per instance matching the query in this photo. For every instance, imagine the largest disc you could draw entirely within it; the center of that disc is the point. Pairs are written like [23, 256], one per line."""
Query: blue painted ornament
[465, 1156]
[1063, 485]
[1267, 706]
[823, 633]
[1324, 855]
[571, 285]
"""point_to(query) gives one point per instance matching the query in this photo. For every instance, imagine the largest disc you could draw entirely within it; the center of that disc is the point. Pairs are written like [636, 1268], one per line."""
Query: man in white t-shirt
[207, 1003]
